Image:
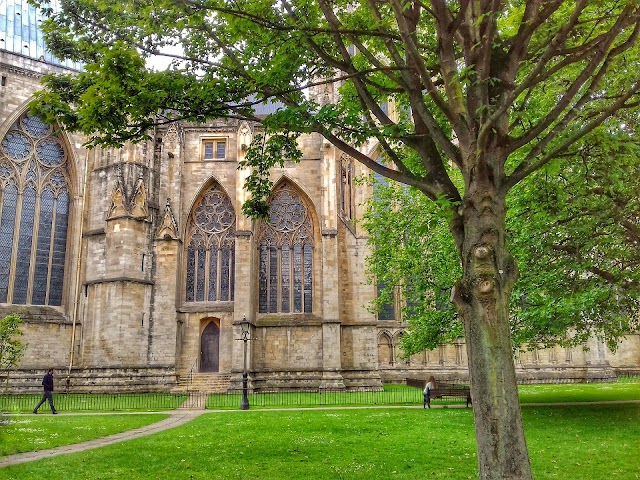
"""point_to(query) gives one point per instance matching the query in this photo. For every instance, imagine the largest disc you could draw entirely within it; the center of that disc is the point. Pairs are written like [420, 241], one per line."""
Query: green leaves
[264, 153]
[573, 229]
[11, 349]
[414, 256]
[509, 88]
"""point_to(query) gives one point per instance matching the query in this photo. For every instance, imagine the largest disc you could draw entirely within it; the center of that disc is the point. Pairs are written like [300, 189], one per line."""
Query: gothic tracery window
[34, 213]
[286, 255]
[211, 249]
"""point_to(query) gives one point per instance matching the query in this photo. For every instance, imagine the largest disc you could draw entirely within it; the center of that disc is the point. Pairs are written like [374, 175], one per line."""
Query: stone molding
[119, 279]
[208, 308]
[23, 72]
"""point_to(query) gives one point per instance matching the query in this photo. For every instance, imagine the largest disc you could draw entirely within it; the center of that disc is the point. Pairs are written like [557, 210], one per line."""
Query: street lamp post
[244, 325]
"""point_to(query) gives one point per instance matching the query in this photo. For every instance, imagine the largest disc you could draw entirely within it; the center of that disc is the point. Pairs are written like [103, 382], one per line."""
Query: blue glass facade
[19, 32]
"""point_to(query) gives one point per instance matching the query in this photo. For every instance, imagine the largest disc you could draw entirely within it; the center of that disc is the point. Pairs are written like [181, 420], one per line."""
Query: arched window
[34, 214]
[286, 255]
[385, 350]
[211, 249]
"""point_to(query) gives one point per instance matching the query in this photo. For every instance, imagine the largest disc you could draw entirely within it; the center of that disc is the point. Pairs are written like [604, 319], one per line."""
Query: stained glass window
[210, 258]
[7, 226]
[16, 145]
[35, 204]
[387, 309]
[286, 255]
[50, 152]
[34, 126]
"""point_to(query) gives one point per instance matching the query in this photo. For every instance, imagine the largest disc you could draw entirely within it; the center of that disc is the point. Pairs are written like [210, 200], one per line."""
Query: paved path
[177, 418]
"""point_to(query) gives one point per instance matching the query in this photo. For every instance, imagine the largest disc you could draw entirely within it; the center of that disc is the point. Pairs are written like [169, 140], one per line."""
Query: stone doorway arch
[210, 347]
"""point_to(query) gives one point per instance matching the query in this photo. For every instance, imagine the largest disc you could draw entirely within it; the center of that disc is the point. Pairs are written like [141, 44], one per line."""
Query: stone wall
[92, 380]
[124, 305]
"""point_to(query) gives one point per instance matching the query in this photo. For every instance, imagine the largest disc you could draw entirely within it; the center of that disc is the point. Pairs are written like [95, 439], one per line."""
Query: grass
[579, 392]
[26, 434]
[565, 442]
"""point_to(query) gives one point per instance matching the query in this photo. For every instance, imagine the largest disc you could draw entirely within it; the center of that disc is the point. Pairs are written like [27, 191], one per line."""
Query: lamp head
[244, 325]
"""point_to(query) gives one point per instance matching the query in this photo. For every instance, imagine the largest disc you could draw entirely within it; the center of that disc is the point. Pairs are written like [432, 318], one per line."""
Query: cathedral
[133, 268]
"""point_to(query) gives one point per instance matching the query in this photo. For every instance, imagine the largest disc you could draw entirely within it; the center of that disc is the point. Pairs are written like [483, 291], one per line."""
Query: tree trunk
[482, 299]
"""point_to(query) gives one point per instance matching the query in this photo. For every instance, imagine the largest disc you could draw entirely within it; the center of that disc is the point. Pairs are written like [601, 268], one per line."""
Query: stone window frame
[45, 168]
[266, 233]
[224, 239]
[215, 143]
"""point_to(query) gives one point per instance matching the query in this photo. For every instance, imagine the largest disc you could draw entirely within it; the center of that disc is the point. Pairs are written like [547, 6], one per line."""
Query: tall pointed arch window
[286, 255]
[211, 249]
[34, 214]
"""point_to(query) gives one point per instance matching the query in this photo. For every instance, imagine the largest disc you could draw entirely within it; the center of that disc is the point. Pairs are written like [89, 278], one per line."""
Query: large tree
[573, 228]
[492, 89]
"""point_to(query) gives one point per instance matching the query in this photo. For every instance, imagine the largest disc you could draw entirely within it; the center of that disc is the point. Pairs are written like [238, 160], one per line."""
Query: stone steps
[204, 382]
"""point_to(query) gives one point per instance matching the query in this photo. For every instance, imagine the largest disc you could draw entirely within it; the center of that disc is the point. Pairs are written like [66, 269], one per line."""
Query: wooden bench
[448, 390]
[442, 390]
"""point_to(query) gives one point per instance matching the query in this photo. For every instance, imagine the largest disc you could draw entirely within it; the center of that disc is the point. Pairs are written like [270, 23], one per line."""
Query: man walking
[47, 383]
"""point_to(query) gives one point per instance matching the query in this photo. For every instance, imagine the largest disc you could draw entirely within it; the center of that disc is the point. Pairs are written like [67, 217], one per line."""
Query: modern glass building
[20, 34]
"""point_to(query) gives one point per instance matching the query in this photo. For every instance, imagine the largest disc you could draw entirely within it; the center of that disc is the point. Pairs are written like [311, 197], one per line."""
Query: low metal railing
[82, 402]
[24, 403]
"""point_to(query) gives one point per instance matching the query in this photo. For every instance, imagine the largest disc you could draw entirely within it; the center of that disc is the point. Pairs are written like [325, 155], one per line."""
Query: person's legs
[44, 399]
[49, 396]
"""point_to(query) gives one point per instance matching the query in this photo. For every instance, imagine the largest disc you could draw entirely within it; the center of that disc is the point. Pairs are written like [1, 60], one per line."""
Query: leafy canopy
[531, 91]
[11, 349]
[572, 227]
[522, 79]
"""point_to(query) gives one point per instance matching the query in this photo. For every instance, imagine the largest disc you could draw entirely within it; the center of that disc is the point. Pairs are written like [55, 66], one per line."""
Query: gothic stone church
[133, 267]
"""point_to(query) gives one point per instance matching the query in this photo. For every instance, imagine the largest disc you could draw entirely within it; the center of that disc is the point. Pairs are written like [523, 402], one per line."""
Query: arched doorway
[210, 348]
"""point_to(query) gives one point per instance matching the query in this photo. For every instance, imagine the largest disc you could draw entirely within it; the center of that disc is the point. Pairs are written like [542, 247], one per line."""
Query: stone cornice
[118, 280]
[114, 165]
[20, 71]
[204, 307]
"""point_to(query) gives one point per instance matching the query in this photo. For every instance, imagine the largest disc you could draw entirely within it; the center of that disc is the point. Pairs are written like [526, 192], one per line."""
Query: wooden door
[210, 348]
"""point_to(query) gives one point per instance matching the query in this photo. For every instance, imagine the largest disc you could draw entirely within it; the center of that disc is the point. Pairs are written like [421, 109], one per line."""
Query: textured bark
[482, 299]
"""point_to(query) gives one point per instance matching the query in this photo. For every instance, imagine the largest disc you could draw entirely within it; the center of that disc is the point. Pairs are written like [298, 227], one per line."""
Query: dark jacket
[47, 382]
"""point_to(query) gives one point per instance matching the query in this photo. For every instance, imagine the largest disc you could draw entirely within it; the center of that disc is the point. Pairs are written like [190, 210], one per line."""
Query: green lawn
[565, 442]
[579, 392]
[29, 433]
